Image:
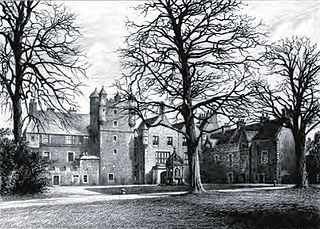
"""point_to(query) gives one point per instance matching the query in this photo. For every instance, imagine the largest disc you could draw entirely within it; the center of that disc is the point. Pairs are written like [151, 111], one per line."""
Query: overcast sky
[103, 31]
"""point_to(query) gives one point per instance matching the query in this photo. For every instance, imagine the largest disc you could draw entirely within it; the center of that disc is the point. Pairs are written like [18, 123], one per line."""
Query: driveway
[60, 195]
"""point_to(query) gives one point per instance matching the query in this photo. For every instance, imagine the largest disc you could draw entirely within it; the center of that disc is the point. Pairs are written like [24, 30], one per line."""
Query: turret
[94, 108]
[102, 105]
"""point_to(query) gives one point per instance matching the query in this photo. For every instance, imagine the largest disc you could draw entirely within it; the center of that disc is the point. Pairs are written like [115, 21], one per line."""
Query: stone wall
[263, 170]
[116, 148]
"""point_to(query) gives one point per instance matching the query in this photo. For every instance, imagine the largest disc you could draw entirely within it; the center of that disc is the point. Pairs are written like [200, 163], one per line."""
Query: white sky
[103, 31]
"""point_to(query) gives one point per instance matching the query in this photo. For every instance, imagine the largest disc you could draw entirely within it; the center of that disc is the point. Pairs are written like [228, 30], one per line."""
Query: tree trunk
[17, 120]
[195, 181]
[300, 161]
[193, 155]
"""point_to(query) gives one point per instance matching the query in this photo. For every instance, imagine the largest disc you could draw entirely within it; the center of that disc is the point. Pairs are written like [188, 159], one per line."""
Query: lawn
[139, 189]
[289, 208]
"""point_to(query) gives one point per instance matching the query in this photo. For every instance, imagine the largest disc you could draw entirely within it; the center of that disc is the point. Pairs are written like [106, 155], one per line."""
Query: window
[115, 151]
[69, 139]
[70, 156]
[46, 155]
[115, 123]
[155, 140]
[184, 141]
[264, 156]
[33, 138]
[85, 139]
[186, 158]
[230, 159]
[110, 177]
[56, 180]
[177, 172]
[85, 178]
[45, 138]
[169, 141]
[114, 138]
[216, 157]
[115, 111]
[162, 157]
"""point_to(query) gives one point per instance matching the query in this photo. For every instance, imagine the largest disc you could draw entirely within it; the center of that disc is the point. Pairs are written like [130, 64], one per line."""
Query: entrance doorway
[230, 177]
[261, 178]
[243, 178]
[163, 177]
[56, 180]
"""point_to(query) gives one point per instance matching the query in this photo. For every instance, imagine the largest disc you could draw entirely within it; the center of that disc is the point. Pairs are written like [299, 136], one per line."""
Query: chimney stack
[241, 123]
[264, 118]
[32, 107]
[72, 110]
[161, 109]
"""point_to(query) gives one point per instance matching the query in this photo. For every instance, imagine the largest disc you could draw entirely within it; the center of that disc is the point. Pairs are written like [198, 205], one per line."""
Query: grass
[291, 208]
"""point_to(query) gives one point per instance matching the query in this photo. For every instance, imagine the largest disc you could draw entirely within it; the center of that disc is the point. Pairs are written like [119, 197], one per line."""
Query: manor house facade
[108, 147]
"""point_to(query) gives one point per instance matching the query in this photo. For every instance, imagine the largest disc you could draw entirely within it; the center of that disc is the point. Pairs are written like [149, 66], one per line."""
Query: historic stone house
[108, 147]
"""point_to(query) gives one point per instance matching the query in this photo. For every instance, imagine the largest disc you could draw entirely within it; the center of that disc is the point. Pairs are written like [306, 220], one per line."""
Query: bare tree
[40, 58]
[193, 56]
[295, 99]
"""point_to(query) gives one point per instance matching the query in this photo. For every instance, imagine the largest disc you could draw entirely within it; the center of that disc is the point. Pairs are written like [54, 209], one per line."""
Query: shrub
[22, 171]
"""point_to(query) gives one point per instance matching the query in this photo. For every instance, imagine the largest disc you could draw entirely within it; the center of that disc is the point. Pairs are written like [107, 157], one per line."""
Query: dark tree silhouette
[313, 159]
[40, 58]
[192, 56]
[295, 99]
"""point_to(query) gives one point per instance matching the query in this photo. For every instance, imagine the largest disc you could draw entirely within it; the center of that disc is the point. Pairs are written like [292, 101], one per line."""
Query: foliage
[22, 171]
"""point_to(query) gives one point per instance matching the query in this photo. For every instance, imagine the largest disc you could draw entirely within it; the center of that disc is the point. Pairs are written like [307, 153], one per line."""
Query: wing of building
[257, 153]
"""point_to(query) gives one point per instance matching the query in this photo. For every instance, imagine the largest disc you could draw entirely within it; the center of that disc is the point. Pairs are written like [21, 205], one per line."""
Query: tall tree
[40, 58]
[295, 99]
[193, 56]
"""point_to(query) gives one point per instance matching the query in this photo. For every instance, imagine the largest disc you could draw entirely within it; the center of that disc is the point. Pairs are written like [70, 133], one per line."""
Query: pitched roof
[268, 129]
[151, 121]
[178, 125]
[51, 122]
[264, 130]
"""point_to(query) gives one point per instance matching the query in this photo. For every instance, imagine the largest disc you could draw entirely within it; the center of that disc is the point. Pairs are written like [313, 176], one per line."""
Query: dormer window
[115, 123]
[115, 111]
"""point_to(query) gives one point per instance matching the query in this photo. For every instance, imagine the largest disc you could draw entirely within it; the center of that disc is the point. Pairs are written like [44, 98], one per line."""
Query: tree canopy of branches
[40, 58]
[193, 56]
[295, 99]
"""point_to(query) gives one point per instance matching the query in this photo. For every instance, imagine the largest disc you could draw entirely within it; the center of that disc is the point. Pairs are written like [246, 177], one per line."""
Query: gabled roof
[229, 136]
[174, 159]
[151, 121]
[51, 122]
[269, 129]
[178, 125]
[263, 130]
